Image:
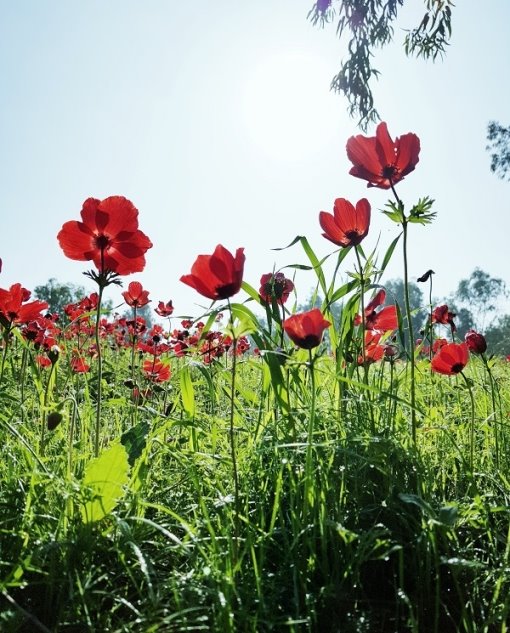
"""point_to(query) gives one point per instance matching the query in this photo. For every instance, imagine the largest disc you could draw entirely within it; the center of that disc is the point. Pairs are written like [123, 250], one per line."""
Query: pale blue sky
[194, 111]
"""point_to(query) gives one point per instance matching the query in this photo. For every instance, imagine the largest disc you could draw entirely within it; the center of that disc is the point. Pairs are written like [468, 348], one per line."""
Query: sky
[217, 121]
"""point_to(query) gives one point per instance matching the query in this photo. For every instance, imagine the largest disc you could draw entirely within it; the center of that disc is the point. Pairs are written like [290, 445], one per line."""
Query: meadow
[257, 468]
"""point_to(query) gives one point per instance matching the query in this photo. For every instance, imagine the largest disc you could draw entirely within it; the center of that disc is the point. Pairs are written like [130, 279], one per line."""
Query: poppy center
[226, 291]
[389, 172]
[353, 236]
[457, 368]
[102, 242]
[309, 341]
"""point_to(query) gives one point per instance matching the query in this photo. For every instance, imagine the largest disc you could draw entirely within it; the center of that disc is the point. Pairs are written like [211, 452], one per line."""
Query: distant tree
[498, 336]
[57, 295]
[499, 147]
[369, 25]
[480, 295]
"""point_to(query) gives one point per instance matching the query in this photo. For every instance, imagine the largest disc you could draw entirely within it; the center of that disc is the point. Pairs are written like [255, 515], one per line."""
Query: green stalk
[5, 336]
[405, 224]
[133, 345]
[363, 325]
[472, 425]
[409, 332]
[232, 437]
[309, 441]
[494, 419]
[99, 373]
[45, 407]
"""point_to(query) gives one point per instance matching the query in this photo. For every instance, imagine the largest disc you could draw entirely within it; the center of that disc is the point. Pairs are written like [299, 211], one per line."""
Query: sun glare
[288, 108]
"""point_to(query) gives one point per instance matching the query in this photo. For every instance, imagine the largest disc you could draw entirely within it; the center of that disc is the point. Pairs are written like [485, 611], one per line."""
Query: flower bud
[476, 342]
[53, 420]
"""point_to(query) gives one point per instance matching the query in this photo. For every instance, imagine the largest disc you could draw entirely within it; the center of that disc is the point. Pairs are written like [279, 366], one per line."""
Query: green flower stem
[494, 409]
[409, 332]
[431, 332]
[44, 411]
[99, 373]
[309, 441]
[363, 334]
[5, 336]
[133, 345]
[362, 304]
[405, 225]
[472, 425]
[232, 437]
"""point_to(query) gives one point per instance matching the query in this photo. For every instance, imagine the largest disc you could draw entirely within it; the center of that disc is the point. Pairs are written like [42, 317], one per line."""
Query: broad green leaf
[187, 392]
[134, 440]
[104, 483]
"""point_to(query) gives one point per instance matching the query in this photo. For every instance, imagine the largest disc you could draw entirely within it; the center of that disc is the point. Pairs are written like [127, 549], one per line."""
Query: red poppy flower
[373, 350]
[441, 314]
[14, 310]
[476, 342]
[306, 329]
[347, 225]
[108, 235]
[79, 366]
[438, 344]
[380, 160]
[135, 296]
[379, 320]
[164, 309]
[217, 276]
[42, 361]
[156, 371]
[451, 359]
[275, 286]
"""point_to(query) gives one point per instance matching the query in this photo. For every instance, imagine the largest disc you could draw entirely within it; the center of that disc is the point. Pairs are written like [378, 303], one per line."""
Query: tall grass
[345, 524]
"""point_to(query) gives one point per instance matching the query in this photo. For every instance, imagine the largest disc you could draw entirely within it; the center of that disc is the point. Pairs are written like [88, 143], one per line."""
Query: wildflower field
[258, 467]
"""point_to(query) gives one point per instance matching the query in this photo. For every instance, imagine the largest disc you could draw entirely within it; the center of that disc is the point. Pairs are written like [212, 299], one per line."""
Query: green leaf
[389, 252]
[187, 392]
[134, 440]
[104, 483]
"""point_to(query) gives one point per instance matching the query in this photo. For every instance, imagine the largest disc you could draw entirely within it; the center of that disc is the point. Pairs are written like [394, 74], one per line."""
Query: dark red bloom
[135, 296]
[164, 309]
[438, 344]
[14, 310]
[451, 359]
[476, 342]
[42, 361]
[306, 329]
[108, 235]
[156, 371]
[441, 314]
[347, 225]
[379, 320]
[79, 366]
[275, 286]
[380, 160]
[217, 276]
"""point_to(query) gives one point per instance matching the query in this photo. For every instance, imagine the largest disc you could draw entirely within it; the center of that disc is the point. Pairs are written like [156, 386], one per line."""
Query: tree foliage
[57, 295]
[369, 25]
[498, 336]
[499, 147]
[480, 294]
